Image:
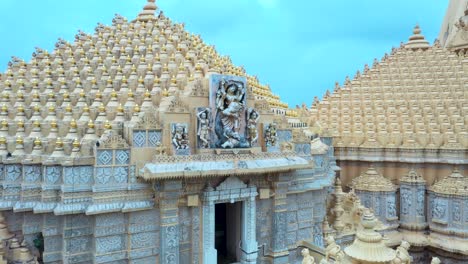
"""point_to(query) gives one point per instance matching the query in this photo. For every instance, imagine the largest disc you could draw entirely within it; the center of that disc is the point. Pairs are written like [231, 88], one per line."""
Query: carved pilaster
[209, 251]
[278, 246]
[249, 242]
[169, 212]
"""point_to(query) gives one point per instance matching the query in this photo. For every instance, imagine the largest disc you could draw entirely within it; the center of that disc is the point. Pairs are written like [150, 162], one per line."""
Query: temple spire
[148, 11]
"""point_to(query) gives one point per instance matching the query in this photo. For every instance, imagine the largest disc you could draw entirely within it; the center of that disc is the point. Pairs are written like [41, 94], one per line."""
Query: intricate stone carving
[180, 139]
[307, 258]
[402, 254]
[177, 106]
[420, 197]
[439, 209]
[204, 127]
[252, 131]
[113, 141]
[149, 120]
[333, 250]
[230, 106]
[406, 201]
[109, 244]
[271, 135]
[32, 173]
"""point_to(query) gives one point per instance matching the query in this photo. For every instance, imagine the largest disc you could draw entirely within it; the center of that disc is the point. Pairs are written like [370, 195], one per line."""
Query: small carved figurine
[180, 137]
[402, 255]
[160, 149]
[204, 127]
[270, 135]
[308, 259]
[252, 119]
[333, 250]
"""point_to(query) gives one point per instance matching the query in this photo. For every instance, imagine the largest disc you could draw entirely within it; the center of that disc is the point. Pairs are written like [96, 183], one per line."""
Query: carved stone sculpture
[160, 149]
[252, 132]
[435, 260]
[402, 254]
[307, 258]
[270, 135]
[333, 250]
[204, 127]
[180, 137]
[230, 104]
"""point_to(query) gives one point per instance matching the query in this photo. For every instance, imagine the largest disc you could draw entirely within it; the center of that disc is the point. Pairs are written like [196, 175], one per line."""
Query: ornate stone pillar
[209, 251]
[169, 213]
[278, 246]
[413, 201]
[249, 242]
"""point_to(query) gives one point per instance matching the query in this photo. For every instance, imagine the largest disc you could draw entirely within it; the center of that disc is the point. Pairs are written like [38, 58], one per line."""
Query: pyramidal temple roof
[81, 89]
[414, 98]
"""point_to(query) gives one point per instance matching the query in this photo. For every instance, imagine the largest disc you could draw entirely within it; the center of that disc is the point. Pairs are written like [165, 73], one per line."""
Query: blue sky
[299, 47]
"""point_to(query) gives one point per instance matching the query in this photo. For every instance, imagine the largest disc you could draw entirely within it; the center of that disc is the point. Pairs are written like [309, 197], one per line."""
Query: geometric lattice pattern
[153, 138]
[139, 139]
[122, 157]
[104, 157]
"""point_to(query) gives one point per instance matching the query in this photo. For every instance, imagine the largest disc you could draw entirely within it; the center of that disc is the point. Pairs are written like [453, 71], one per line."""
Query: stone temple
[140, 144]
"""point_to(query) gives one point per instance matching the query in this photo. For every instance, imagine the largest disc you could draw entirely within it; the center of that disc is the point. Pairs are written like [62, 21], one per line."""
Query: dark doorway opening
[228, 231]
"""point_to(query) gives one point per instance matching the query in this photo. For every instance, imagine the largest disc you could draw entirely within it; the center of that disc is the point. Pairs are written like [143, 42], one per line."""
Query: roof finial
[148, 11]
[417, 40]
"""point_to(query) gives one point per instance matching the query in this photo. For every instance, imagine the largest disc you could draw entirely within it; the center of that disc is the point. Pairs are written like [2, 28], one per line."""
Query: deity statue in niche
[252, 132]
[180, 136]
[230, 105]
[204, 127]
[270, 135]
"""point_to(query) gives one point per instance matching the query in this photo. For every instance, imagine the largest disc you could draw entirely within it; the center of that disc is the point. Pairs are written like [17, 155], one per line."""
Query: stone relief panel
[110, 244]
[13, 172]
[144, 240]
[195, 235]
[78, 244]
[80, 175]
[264, 208]
[271, 137]
[406, 201]
[391, 207]
[228, 95]
[32, 173]
[420, 202]
[439, 209]
[205, 136]
[53, 174]
[111, 175]
[180, 139]
[456, 211]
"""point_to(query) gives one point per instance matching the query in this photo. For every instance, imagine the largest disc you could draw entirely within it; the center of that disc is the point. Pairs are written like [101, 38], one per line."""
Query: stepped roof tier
[372, 181]
[414, 98]
[453, 185]
[72, 95]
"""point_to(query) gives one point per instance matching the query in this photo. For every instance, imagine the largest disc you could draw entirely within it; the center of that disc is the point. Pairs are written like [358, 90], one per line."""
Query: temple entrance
[229, 233]
[228, 220]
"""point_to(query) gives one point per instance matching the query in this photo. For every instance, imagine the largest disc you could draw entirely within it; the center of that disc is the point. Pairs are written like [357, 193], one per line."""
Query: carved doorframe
[230, 191]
